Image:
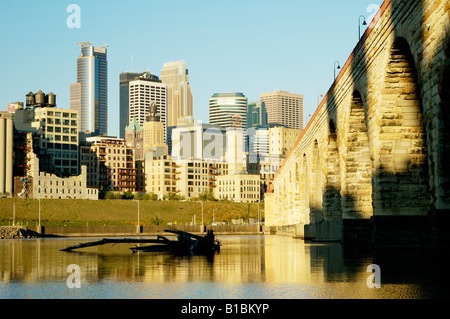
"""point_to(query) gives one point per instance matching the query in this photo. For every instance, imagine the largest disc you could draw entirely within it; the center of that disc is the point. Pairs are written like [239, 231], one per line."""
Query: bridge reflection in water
[246, 267]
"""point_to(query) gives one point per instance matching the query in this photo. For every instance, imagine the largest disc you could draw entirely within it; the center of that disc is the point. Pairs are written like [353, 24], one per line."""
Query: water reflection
[245, 267]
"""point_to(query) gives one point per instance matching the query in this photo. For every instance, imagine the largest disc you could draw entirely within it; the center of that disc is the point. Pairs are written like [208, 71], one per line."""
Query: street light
[319, 97]
[201, 202]
[39, 212]
[259, 216]
[338, 67]
[138, 212]
[359, 25]
[14, 212]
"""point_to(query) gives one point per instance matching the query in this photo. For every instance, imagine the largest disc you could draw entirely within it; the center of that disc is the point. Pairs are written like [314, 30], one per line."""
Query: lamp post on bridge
[359, 25]
[338, 67]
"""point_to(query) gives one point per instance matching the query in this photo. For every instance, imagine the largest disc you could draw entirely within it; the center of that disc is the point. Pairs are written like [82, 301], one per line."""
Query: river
[247, 267]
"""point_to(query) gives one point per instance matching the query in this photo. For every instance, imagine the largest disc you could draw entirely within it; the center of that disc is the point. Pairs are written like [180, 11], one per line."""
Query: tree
[207, 195]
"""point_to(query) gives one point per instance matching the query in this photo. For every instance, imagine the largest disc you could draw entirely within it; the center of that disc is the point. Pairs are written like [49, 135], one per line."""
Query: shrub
[128, 195]
[111, 195]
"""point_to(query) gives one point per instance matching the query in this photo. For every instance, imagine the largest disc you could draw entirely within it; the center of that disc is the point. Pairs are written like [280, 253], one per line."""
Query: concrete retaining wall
[100, 231]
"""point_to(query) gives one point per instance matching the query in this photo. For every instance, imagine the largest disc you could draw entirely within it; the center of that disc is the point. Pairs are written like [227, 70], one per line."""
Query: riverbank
[117, 212]
[10, 232]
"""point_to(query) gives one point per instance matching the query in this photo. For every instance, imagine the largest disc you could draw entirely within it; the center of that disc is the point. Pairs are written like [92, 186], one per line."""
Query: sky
[247, 46]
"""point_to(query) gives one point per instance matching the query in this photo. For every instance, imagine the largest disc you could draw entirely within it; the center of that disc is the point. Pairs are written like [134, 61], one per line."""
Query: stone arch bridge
[373, 163]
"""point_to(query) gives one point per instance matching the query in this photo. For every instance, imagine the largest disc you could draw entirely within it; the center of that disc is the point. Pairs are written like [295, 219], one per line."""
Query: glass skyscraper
[229, 110]
[92, 74]
[256, 115]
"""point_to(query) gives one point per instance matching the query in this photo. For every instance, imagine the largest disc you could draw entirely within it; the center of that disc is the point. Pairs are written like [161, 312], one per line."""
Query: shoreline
[24, 232]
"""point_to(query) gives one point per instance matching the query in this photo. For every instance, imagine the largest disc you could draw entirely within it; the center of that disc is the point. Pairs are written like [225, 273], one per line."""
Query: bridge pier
[440, 225]
[401, 231]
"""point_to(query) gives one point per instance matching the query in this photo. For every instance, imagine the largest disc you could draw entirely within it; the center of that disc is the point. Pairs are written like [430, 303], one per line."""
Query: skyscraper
[284, 108]
[92, 89]
[179, 95]
[125, 79]
[256, 115]
[144, 91]
[75, 101]
[124, 91]
[229, 110]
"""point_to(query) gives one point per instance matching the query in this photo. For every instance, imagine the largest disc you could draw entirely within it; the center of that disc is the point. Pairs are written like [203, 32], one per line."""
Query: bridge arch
[443, 198]
[401, 179]
[316, 189]
[332, 190]
[305, 190]
[357, 199]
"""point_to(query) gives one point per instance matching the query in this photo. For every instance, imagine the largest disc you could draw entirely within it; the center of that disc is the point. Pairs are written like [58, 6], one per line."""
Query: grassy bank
[120, 212]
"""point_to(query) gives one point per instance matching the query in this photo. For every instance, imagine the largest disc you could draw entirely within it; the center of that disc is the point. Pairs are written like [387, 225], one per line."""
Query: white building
[142, 93]
[240, 188]
[197, 177]
[161, 176]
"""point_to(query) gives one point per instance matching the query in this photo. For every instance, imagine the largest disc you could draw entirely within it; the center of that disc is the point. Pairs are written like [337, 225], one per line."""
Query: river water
[247, 267]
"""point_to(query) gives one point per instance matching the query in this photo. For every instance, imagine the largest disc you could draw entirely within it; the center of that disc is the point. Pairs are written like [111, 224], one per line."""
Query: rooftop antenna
[144, 65]
[131, 63]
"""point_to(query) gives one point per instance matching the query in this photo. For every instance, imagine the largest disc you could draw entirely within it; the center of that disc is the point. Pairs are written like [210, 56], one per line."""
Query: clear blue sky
[248, 46]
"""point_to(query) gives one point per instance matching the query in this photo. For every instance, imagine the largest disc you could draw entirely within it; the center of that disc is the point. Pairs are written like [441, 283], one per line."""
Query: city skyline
[311, 36]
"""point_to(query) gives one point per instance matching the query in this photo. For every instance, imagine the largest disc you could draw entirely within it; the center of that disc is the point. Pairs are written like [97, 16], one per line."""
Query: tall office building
[179, 95]
[256, 115]
[228, 110]
[124, 91]
[125, 79]
[90, 95]
[258, 142]
[284, 108]
[144, 91]
[75, 100]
